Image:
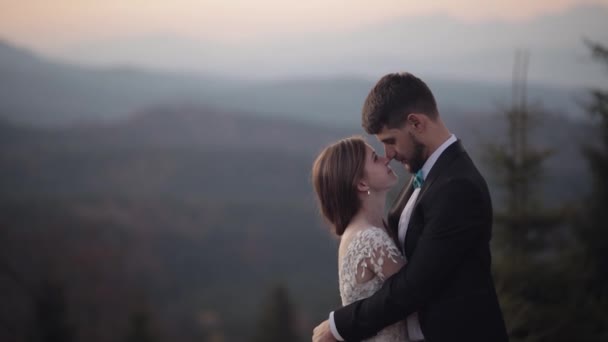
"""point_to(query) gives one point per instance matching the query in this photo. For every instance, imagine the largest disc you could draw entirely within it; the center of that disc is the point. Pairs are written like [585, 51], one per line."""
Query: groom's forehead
[388, 135]
[387, 139]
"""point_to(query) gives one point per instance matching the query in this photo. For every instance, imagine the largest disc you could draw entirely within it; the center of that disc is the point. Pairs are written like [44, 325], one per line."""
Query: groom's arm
[458, 219]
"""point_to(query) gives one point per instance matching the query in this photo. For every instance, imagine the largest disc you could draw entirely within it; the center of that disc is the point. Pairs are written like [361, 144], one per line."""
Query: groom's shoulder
[462, 175]
[465, 167]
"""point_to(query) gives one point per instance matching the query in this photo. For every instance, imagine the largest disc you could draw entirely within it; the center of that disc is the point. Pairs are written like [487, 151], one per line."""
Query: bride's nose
[386, 160]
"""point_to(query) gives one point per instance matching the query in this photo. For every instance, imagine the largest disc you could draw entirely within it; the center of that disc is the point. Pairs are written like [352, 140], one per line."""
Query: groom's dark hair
[393, 98]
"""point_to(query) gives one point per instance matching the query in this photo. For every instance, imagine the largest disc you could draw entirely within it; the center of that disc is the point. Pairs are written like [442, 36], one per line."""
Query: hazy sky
[48, 24]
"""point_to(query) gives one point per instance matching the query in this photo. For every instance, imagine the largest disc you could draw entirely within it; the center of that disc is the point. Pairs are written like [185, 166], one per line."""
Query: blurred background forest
[156, 187]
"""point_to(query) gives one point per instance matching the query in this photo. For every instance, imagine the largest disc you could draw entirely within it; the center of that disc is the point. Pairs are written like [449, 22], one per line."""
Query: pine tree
[277, 321]
[522, 224]
[587, 262]
[593, 233]
[51, 314]
[139, 328]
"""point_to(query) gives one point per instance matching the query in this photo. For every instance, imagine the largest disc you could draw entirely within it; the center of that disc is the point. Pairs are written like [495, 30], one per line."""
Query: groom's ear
[416, 121]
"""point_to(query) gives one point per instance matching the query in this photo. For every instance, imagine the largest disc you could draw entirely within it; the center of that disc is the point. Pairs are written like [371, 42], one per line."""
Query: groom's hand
[322, 333]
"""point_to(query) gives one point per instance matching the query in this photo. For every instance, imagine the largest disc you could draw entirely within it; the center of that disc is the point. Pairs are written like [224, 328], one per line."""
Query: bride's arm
[383, 260]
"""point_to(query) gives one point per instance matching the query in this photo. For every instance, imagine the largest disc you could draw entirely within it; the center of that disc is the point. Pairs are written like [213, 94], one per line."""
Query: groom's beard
[417, 160]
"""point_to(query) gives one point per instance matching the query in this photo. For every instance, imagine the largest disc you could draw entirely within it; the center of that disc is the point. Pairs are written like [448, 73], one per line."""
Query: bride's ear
[362, 186]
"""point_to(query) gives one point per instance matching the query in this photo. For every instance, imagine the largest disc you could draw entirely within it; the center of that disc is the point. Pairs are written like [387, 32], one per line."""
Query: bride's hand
[322, 333]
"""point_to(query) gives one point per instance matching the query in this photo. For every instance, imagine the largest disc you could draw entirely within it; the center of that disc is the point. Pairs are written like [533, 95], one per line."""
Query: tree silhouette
[276, 322]
[593, 232]
[587, 262]
[51, 321]
[139, 328]
[523, 225]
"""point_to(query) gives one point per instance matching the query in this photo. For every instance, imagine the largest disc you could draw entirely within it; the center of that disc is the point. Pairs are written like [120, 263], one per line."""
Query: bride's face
[378, 174]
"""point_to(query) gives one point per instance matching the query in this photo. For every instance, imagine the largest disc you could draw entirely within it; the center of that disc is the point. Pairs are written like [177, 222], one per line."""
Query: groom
[443, 223]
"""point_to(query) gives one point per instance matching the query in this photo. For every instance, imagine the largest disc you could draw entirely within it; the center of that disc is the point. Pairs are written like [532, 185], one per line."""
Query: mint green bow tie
[418, 179]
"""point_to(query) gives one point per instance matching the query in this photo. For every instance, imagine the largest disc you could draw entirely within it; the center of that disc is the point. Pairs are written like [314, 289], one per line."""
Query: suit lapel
[396, 210]
[440, 166]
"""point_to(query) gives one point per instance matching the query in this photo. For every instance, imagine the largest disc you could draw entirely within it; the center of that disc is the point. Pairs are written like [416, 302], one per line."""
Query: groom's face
[402, 145]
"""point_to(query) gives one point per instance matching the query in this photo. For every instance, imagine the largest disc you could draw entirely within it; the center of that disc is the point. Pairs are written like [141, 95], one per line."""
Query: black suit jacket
[447, 279]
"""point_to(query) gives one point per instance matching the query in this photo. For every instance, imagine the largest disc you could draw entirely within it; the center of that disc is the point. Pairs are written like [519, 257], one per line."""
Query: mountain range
[192, 190]
[434, 46]
[200, 212]
[41, 91]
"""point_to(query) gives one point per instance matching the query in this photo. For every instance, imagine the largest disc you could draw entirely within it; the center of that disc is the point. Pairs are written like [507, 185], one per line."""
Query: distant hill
[190, 195]
[196, 210]
[200, 151]
[199, 211]
[40, 91]
[434, 45]
[177, 151]
[44, 92]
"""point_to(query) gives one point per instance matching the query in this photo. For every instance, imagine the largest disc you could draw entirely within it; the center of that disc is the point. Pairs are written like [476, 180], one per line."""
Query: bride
[351, 182]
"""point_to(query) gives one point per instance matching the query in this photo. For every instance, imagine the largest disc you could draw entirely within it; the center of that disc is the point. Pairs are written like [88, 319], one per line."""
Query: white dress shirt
[413, 325]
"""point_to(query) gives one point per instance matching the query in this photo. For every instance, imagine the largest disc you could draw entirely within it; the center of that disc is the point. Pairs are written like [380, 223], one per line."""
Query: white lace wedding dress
[369, 249]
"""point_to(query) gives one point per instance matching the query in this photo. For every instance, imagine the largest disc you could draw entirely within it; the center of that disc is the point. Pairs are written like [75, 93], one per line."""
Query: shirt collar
[428, 165]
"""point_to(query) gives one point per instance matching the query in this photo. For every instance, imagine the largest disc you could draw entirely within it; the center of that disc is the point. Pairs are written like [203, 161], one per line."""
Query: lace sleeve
[377, 254]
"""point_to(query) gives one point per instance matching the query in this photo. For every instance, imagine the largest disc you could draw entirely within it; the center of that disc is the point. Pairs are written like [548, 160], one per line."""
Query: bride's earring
[368, 192]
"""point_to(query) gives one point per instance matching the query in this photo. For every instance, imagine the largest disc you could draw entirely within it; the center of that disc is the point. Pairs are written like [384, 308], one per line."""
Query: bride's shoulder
[370, 231]
[356, 231]
[362, 234]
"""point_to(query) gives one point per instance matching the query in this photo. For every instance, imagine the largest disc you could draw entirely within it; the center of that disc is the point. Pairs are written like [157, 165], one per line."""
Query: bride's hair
[335, 174]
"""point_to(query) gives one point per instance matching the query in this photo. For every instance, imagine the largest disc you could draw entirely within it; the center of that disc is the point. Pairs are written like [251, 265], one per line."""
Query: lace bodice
[362, 266]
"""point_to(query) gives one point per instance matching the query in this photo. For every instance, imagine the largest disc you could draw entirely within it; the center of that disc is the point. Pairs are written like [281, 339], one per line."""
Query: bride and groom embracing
[424, 274]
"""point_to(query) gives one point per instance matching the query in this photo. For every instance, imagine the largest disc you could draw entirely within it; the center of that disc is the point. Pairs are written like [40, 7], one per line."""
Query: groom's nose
[389, 152]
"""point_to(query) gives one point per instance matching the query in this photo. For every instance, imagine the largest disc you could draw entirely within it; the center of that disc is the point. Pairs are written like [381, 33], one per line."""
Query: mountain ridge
[46, 92]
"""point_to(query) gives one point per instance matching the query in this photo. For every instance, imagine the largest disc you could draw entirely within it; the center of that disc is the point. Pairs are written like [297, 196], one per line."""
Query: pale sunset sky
[48, 24]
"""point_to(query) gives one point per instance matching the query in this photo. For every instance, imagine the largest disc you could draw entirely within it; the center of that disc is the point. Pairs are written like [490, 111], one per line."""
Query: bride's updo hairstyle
[335, 174]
